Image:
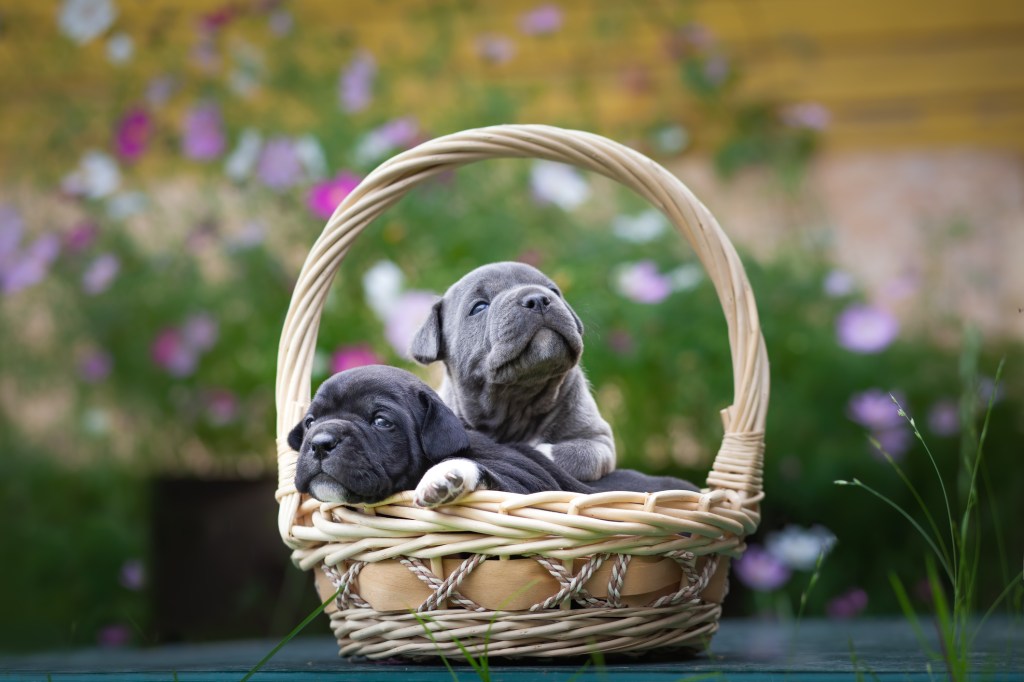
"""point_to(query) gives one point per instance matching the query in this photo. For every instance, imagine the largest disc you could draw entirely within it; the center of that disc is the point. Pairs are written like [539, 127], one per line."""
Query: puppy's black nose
[536, 302]
[323, 444]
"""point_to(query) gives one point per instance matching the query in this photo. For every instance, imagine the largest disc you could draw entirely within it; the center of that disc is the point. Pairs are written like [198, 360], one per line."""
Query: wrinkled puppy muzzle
[332, 465]
[533, 334]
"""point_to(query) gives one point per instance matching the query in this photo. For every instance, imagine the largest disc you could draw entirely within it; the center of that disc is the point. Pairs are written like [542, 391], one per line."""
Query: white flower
[799, 548]
[97, 176]
[125, 204]
[407, 315]
[311, 156]
[83, 20]
[120, 48]
[559, 184]
[382, 285]
[686, 277]
[641, 228]
[242, 159]
[671, 139]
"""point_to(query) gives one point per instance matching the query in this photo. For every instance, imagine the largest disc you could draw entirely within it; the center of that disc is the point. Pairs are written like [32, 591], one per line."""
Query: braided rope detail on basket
[616, 580]
[346, 597]
[447, 589]
[695, 583]
[572, 585]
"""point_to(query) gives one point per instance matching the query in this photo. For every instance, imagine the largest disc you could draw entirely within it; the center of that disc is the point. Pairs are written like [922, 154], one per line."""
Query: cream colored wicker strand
[395, 177]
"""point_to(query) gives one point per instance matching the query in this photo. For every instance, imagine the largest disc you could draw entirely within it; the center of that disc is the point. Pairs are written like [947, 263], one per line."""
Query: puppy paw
[446, 482]
[546, 449]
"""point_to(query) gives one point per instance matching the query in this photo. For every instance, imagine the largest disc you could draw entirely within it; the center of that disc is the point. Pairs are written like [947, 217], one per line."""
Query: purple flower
[200, 332]
[170, 353]
[30, 266]
[113, 636]
[874, 409]
[799, 548]
[989, 391]
[348, 357]
[221, 406]
[355, 86]
[80, 237]
[641, 282]
[807, 115]
[848, 604]
[944, 418]
[541, 20]
[204, 133]
[133, 575]
[281, 22]
[760, 570]
[866, 329]
[409, 312]
[95, 367]
[279, 166]
[98, 277]
[495, 49]
[11, 229]
[838, 283]
[399, 133]
[325, 196]
[895, 441]
[132, 134]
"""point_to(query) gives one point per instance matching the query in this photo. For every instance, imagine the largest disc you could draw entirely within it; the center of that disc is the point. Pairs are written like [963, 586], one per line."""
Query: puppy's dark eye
[479, 307]
[382, 423]
[308, 421]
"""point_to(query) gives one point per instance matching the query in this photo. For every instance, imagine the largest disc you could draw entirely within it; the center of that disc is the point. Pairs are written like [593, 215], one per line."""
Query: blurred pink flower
[100, 274]
[203, 138]
[874, 408]
[279, 166]
[80, 237]
[355, 85]
[641, 282]
[944, 417]
[221, 406]
[113, 636]
[848, 604]
[406, 316]
[133, 575]
[281, 22]
[690, 39]
[808, 115]
[838, 283]
[398, 133]
[348, 357]
[170, 353]
[11, 229]
[559, 184]
[716, 69]
[325, 196]
[132, 134]
[865, 329]
[494, 48]
[760, 570]
[95, 367]
[988, 390]
[541, 20]
[218, 18]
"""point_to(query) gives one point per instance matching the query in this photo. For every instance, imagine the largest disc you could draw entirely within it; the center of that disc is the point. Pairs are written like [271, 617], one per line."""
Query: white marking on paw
[546, 449]
[446, 482]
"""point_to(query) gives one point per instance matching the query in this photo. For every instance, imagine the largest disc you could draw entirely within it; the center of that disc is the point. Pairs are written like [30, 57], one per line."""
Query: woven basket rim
[734, 483]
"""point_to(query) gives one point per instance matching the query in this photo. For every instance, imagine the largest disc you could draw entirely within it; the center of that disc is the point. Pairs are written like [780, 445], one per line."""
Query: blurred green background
[164, 167]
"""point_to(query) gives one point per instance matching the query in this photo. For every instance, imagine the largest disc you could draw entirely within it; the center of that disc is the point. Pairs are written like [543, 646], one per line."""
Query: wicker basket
[549, 574]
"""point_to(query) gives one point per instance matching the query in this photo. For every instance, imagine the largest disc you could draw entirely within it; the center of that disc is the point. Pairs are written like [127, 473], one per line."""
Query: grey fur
[512, 369]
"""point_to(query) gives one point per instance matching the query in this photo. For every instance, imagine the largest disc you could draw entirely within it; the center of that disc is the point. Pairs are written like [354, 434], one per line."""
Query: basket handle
[739, 462]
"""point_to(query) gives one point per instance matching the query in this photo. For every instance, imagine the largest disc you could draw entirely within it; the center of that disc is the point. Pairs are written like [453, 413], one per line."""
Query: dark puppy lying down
[371, 432]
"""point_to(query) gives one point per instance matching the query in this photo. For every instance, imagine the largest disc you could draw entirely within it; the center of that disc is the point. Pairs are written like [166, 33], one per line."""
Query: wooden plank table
[742, 650]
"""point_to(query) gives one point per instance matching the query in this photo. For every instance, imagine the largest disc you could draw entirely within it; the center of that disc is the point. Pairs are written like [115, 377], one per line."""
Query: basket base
[455, 633]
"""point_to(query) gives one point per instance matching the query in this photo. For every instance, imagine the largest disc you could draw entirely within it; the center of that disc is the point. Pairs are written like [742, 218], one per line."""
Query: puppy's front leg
[446, 482]
[586, 459]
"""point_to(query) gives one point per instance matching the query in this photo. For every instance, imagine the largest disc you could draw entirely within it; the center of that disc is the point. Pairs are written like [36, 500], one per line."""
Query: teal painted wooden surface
[743, 650]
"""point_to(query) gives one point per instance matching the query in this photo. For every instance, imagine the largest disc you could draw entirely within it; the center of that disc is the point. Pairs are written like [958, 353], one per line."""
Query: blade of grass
[995, 604]
[942, 484]
[931, 543]
[945, 622]
[291, 635]
[444, 659]
[910, 614]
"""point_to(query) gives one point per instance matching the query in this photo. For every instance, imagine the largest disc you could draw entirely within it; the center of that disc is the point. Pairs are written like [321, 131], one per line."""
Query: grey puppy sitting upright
[511, 347]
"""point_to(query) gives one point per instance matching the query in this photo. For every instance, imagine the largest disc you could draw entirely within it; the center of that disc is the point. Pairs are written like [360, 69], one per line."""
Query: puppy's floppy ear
[442, 435]
[427, 345]
[296, 435]
[579, 322]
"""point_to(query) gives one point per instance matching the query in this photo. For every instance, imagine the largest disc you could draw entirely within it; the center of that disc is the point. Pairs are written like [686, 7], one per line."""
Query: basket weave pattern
[548, 574]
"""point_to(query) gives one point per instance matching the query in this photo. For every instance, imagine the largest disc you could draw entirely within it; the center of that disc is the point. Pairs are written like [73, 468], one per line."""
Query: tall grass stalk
[959, 560]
